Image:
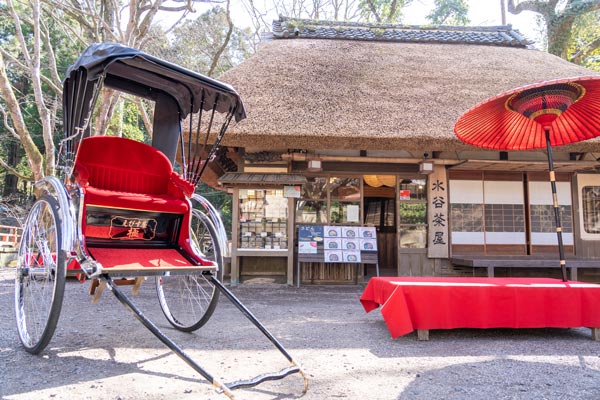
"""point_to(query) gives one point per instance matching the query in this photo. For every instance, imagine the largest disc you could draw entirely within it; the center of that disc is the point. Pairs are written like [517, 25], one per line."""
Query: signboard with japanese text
[437, 213]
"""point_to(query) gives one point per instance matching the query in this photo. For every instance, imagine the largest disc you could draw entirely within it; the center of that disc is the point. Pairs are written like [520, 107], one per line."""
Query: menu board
[336, 244]
[309, 238]
[312, 233]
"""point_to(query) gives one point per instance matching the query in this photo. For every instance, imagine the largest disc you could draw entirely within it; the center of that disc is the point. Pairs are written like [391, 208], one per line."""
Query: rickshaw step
[262, 378]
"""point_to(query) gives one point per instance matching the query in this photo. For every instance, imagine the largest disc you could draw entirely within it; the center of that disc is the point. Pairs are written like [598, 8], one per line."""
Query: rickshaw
[121, 211]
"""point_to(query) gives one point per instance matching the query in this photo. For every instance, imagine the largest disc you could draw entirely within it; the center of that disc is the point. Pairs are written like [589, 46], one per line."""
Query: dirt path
[103, 352]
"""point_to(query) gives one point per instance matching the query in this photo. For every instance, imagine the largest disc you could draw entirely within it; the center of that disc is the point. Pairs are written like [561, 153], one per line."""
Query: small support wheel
[41, 274]
[188, 301]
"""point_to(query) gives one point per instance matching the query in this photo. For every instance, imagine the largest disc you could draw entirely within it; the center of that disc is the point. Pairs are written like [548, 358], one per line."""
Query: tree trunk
[33, 154]
[11, 181]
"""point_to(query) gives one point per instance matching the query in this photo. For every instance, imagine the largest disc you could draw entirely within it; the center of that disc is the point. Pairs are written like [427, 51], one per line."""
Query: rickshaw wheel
[188, 301]
[41, 275]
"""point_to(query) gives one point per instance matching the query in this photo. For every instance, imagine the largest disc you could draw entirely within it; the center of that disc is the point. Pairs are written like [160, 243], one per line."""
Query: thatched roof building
[319, 85]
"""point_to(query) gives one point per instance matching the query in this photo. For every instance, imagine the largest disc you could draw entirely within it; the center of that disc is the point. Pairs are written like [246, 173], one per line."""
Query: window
[590, 196]
[413, 213]
[379, 212]
[311, 208]
[329, 200]
[345, 201]
[263, 219]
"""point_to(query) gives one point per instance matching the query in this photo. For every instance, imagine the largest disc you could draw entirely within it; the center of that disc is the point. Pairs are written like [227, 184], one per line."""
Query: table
[424, 303]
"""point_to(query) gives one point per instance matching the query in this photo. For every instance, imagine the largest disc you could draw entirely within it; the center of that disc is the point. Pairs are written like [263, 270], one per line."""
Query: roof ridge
[490, 28]
[501, 35]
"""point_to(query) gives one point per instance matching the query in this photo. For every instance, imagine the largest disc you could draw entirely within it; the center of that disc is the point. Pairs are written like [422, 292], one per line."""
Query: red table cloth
[410, 303]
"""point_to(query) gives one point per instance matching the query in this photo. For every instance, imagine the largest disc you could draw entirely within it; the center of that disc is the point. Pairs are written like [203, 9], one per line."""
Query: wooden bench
[521, 262]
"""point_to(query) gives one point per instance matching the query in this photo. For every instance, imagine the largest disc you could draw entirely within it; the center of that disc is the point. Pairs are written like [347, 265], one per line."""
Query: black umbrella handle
[561, 248]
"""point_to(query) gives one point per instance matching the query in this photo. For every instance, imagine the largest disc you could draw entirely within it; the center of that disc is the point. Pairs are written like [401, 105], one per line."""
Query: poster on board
[333, 231]
[351, 256]
[310, 233]
[307, 247]
[333, 256]
[333, 243]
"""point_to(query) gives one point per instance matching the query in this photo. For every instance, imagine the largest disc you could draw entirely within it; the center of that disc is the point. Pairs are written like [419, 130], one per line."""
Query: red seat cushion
[122, 165]
[120, 173]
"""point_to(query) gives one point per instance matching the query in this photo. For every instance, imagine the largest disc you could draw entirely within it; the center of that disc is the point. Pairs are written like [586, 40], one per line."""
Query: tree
[584, 48]
[449, 12]
[42, 38]
[383, 11]
[210, 44]
[560, 17]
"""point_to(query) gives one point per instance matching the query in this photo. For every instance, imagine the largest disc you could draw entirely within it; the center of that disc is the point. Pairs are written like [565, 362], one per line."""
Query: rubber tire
[168, 302]
[36, 345]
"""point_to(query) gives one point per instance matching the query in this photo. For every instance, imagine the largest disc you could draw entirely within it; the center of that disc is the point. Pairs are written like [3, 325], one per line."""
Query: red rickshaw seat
[123, 173]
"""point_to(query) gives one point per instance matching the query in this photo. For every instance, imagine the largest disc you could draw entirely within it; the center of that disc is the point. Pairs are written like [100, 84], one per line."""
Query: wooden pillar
[290, 237]
[235, 237]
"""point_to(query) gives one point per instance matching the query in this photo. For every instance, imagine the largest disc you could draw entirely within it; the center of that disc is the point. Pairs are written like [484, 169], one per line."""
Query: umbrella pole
[561, 249]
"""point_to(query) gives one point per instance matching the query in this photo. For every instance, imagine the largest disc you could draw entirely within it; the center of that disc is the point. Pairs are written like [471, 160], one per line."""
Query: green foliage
[126, 122]
[413, 213]
[220, 200]
[449, 12]
[585, 32]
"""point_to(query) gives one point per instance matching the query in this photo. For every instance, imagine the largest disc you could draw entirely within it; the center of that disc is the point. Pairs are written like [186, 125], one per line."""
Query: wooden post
[235, 237]
[290, 240]
[423, 334]
[596, 334]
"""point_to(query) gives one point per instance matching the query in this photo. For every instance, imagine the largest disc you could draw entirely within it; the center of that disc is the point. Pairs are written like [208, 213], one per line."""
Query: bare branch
[221, 49]
[14, 172]
[7, 124]
[532, 5]
[143, 27]
[67, 28]
[33, 154]
[54, 80]
[176, 23]
[584, 53]
[19, 31]
[373, 10]
[144, 114]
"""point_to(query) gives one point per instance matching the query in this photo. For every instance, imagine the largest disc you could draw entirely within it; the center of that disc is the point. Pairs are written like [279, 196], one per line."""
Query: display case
[263, 221]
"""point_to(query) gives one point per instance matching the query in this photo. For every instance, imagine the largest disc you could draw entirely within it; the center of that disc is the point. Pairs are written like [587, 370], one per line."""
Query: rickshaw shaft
[225, 388]
[249, 315]
[161, 336]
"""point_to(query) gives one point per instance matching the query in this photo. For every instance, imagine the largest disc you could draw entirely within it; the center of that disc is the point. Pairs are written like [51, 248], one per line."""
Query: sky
[481, 13]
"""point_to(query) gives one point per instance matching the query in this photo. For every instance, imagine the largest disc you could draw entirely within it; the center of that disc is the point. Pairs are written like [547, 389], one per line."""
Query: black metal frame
[221, 387]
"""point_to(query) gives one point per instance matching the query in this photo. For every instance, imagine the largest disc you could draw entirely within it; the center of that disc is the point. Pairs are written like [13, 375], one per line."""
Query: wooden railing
[9, 236]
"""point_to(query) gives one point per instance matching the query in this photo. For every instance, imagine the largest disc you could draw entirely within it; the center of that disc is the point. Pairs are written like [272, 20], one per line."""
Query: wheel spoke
[189, 300]
[39, 285]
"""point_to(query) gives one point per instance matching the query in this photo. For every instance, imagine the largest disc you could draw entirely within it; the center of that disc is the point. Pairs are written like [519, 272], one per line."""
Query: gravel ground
[102, 352]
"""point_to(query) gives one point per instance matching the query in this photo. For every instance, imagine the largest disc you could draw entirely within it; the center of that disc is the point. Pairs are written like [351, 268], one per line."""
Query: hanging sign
[437, 213]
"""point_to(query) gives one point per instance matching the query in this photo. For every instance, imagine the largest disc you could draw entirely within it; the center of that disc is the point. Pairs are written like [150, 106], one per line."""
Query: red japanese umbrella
[545, 114]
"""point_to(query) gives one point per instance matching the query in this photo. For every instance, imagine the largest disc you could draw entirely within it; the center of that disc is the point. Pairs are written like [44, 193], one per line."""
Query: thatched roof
[314, 93]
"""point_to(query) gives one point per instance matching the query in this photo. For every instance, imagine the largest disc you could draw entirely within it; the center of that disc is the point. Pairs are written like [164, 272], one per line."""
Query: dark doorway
[380, 212]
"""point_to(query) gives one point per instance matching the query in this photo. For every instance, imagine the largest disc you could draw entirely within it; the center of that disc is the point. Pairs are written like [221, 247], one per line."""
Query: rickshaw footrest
[263, 378]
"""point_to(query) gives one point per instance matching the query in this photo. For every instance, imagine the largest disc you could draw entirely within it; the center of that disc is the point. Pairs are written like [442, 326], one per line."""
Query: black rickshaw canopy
[176, 91]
